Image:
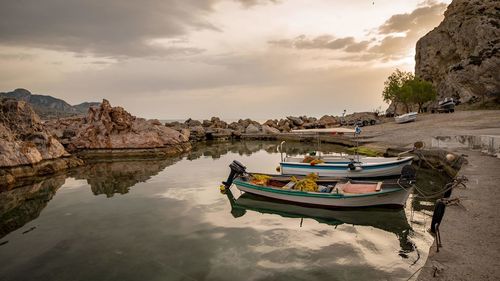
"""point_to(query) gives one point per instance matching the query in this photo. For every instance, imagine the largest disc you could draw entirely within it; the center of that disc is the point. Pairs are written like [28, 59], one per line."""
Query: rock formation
[107, 127]
[23, 138]
[27, 148]
[216, 129]
[461, 56]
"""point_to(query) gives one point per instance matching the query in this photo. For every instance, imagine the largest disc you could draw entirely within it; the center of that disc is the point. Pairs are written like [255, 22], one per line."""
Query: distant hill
[49, 107]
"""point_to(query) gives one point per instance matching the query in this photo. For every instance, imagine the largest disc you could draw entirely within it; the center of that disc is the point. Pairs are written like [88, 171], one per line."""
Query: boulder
[217, 123]
[23, 137]
[192, 123]
[236, 126]
[269, 130]
[197, 133]
[328, 121]
[271, 123]
[297, 121]
[461, 57]
[252, 129]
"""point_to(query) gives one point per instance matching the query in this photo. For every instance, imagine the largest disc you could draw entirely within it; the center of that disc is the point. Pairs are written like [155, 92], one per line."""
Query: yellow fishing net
[260, 179]
[306, 184]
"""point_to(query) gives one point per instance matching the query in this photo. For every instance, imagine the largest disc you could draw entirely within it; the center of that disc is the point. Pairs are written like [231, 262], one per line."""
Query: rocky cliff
[48, 107]
[23, 138]
[27, 148]
[461, 56]
[110, 128]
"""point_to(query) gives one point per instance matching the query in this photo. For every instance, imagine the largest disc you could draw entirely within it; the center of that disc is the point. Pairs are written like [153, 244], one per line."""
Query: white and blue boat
[362, 167]
[341, 165]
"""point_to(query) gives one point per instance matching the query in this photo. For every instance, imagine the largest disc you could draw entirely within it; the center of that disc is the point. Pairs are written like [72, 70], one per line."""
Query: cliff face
[107, 127]
[461, 56]
[23, 138]
[49, 107]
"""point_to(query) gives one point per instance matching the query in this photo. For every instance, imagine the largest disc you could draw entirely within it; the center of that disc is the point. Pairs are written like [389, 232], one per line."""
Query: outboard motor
[237, 169]
[408, 174]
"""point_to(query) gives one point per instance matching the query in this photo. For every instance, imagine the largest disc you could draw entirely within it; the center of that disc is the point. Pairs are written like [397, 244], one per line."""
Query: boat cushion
[358, 188]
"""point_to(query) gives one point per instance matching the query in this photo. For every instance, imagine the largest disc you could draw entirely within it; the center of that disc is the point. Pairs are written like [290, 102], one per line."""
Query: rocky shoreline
[31, 147]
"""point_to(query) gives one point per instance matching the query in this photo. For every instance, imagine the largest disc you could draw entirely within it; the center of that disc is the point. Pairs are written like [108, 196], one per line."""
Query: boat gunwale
[314, 194]
[338, 165]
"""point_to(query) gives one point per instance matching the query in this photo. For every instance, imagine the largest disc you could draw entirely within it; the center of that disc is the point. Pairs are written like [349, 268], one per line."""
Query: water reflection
[217, 149]
[173, 224]
[24, 204]
[118, 176]
[390, 220]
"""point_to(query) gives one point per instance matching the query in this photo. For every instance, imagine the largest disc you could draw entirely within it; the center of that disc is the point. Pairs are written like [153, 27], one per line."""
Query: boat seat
[359, 188]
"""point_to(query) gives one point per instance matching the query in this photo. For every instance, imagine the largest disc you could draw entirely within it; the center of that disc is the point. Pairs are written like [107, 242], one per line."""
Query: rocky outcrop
[113, 128]
[461, 56]
[216, 129]
[23, 138]
[27, 148]
[48, 107]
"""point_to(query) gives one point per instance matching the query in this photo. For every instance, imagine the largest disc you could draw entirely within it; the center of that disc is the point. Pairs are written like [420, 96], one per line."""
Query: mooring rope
[422, 157]
[458, 181]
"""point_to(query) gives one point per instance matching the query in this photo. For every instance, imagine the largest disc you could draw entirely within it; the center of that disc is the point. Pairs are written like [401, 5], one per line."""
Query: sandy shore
[390, 134]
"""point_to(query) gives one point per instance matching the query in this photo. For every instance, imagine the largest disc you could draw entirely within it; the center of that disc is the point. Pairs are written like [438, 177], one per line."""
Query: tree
[419, 92]
[393, 88]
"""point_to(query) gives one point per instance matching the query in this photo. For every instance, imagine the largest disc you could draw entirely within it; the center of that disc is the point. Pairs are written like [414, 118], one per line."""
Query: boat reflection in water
[390, 220]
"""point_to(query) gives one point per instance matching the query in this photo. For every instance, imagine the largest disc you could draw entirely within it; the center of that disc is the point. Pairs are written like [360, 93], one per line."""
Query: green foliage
[393, 86]
[403, 87]
[418, 91]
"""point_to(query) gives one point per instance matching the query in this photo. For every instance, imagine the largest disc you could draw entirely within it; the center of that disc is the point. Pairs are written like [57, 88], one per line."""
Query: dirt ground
[389, 133]
[470, 232]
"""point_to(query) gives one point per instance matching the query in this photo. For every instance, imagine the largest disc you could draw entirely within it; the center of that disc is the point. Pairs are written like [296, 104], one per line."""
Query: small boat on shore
[405, 118]
[327, 192]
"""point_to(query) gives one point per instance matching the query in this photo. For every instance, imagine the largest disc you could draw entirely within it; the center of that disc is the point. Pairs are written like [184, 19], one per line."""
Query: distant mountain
[49, 107]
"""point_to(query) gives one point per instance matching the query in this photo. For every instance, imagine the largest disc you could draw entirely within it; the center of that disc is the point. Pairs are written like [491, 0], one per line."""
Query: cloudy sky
[173, 59]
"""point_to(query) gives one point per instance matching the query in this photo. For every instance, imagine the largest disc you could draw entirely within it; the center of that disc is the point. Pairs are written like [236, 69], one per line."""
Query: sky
[178, 59]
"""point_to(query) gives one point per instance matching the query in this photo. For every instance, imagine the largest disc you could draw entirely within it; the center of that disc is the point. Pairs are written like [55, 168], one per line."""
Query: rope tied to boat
[457, 182]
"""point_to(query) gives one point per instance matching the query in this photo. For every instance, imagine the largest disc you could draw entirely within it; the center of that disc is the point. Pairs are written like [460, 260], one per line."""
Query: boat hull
[405, 118]
[342, 170]
[390, 197]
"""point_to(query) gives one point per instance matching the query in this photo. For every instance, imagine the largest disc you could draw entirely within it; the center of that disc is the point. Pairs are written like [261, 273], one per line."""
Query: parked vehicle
[445, 106]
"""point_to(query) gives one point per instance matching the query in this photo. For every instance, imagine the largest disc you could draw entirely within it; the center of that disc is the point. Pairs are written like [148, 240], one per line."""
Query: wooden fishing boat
[361, 167]
[329, 192]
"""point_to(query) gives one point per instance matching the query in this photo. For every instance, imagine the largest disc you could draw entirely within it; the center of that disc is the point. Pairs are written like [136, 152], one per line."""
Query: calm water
[166, 220]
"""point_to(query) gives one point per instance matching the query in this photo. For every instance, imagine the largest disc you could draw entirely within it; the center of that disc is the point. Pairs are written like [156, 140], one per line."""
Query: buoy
[450, 157]
[222, 188]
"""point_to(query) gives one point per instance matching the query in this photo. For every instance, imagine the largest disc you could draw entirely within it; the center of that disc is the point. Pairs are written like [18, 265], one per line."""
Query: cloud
[251, 3]
[104, 28]
[397, 36]
[421, 18]
[321, 42]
